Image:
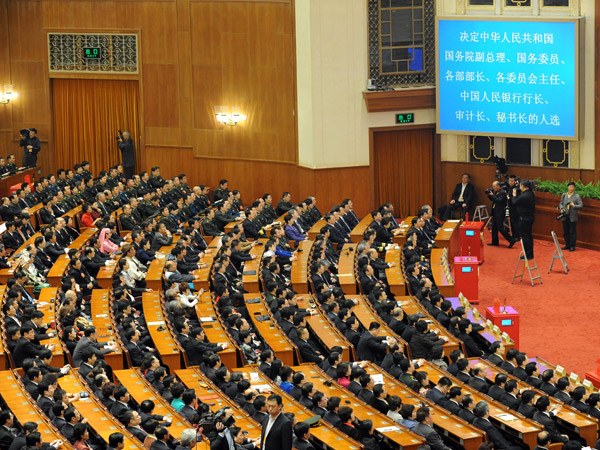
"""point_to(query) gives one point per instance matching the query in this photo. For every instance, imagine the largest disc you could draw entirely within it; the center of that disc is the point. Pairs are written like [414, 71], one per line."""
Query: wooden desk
[5, 274]
[325, 331]
[269, 330]
[356, 235]
[444, 283]
[404, 226]
[214, 329]
[204, 274]
[103, 321]
[524, 429]
[141, 390]
[155, 270]
[92, 409]
[316, 229]
[447, 237]
[33, 216]
[346, 265]
[165, 343]
[193, 378]
[449, 425]
[25, 409]
[231, 225]
[250, 280]
[411, 306]
[17, 178]
[300, 268]
[487, 333]
[3, 357]
[394, 275]
[325, 435]
[47, 304]
[568, 418]
[57, 272]
[365, 315]
[399, 437]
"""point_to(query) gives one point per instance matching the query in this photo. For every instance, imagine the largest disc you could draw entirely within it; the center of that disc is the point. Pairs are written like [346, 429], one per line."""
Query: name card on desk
[254, 376]
[560, 370]
[160, 322]
[588, 384]
[206, 319]
[377, 378]
[387, 429]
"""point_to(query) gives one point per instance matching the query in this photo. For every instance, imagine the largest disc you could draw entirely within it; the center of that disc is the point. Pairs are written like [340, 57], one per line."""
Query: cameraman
[513, 182]
[525, 205]
[31, 144]
[499, 198]
[127, 154]
[570, 202]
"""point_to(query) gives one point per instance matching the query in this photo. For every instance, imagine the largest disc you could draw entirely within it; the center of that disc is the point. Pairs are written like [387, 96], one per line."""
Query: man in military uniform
[184, 184]
[147, 208]
[85, 169]
[251, 229]
[144, 184]
[70, 199]
[11, 166]
[222, 216]
[268, 209]
[169, 218]
[209, 226]
[38, 195]
[90, 191]
[3, 170]
[284, 204]
[112, 179]
[221, 193]
[128, 222]
[135, 212]
[61, 179]
[156, 181]
[202, 202]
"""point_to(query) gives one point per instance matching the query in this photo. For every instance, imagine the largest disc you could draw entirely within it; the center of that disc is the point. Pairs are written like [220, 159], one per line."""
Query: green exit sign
[405, 118]
[91, 52]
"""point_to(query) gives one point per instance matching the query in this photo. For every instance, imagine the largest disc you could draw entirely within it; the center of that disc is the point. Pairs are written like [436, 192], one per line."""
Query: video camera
[120, 136]
[24, 132]
[209, 421]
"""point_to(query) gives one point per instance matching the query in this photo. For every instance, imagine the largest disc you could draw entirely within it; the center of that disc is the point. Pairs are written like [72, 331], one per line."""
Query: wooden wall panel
[161, 99]
[254, 178]
[243, 57]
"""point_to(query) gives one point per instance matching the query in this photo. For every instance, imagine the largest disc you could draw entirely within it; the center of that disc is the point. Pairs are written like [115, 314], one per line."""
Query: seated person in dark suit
[463, 197]
[307, 352]
[302, 432]
[526, 408]
[546, 417]
[424, 428]
[482, 414]
[371, 346]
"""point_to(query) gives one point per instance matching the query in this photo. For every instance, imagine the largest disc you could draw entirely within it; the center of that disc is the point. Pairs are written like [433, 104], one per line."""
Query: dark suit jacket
[366, 396]
[6, 438]
[480, 384]
[433, 438]
[495, 359]
[527, 410]
[370, 348]
[464, 377]
[307, 352]
[280, 434]
[549, 425]
[468, 195]
[493, 433]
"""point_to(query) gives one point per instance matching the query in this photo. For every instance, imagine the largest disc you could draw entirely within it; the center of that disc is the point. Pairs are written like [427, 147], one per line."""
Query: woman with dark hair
[286, 374]
[81, 434]
[343, 371]
[365, 435]
[69, 337]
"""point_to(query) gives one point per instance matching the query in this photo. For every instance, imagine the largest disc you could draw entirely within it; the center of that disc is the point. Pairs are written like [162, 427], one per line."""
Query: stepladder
[528, 264]
[558, 254]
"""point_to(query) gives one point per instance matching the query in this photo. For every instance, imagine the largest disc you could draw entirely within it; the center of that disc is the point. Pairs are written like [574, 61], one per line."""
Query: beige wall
[331, 52]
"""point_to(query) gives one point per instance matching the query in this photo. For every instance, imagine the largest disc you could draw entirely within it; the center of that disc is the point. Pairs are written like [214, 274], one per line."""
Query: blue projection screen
[508, 77]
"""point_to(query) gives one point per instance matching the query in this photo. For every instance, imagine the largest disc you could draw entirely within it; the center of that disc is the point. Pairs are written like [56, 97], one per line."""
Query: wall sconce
[224, 117]
[8, 94]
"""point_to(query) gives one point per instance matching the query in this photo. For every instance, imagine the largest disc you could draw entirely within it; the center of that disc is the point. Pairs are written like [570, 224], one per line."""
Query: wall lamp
[8, 94]
[224, 117]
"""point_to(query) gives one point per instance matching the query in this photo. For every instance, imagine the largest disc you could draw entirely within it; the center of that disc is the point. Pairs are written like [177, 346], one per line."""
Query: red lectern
[507, 319]
[594, 377]
[466, 277]
[471, 239]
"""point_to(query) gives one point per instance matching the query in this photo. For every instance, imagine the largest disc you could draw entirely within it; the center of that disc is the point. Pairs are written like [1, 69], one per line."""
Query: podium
[471, 239]
[466, 277]
[507, 320]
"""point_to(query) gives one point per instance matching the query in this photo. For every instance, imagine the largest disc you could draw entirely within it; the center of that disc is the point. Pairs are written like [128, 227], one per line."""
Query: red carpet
[559, 317]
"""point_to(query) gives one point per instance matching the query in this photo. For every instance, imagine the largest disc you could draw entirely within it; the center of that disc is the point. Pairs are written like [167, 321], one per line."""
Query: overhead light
[8, 94]
[223, 116]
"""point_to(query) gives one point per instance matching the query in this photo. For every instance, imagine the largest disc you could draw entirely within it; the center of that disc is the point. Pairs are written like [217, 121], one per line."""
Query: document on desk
[377, 378]
[387, 429]
[506, 417]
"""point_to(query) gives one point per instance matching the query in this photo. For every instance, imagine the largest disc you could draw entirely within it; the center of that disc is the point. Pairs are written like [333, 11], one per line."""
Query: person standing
[525, 204]
[31, 144]
[499, 198]
[570, 202]
[514, 217]
[127, 154]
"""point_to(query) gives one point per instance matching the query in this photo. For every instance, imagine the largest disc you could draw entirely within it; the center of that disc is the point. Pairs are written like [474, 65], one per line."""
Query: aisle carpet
[559, 318]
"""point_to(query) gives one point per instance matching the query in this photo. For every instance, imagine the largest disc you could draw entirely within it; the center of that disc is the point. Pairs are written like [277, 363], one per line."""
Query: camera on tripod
[120, 136]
